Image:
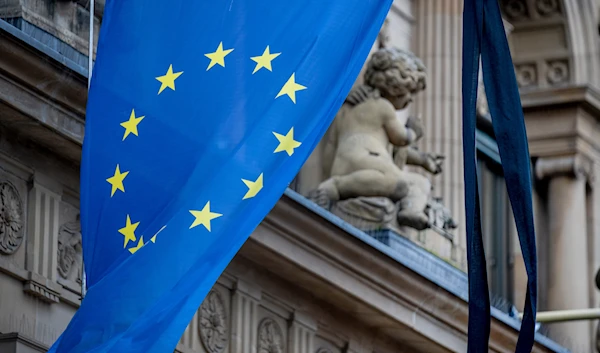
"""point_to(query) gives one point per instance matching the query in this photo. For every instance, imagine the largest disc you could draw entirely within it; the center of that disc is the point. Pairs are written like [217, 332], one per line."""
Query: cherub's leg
[364, 183]
[412, 207]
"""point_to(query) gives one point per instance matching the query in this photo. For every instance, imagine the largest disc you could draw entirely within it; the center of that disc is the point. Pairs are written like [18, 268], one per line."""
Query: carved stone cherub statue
[367, 146]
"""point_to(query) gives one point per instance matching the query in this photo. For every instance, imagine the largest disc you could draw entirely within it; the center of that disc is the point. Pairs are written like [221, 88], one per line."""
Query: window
[496, 219]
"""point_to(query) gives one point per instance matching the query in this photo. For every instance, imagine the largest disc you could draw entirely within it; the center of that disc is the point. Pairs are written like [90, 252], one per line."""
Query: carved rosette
[213, 323]
[70, 251]
[11, 219]
[547, 7]
[526, 75]
[270, 337]
[558, 72]
[515, 9]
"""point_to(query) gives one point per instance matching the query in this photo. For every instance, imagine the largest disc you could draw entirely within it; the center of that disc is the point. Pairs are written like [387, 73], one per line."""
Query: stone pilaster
[568, 273]
[42, 230]
[244, 318]
[301, 336]
[42, 241]
[438, 42]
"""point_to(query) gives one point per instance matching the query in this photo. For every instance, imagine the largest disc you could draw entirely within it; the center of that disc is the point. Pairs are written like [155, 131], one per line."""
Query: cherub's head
[397, 74]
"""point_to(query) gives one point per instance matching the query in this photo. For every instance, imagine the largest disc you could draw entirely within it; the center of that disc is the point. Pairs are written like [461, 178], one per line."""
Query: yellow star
[117, 181]
[287, 142]
[204, 217]
[168, 80]
[131, 124]
[138, 247]
[129, 231]
[264, 60]
[290, 88]
[253, 186]
[217, 57]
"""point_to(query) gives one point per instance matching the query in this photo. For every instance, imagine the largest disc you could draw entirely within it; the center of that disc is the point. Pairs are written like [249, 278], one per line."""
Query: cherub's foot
[418, 221]
[325, 194]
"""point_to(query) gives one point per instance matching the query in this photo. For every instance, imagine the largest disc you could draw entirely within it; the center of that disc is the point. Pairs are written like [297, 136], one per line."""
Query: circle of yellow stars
[286, 142]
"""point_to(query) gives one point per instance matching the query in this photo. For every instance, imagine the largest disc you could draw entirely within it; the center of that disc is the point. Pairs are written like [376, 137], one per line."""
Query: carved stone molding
[70, 251]
[213, 323]
[41, 288]
[270, 337]
[526, 75]
[11, 219]
[558, 72]
[516, 9]
[547, 8]
[576, 166]
[323, 350]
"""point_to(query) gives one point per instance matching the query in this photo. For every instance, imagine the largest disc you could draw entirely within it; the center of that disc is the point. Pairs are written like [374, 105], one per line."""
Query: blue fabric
[484, 37]
[221, 124]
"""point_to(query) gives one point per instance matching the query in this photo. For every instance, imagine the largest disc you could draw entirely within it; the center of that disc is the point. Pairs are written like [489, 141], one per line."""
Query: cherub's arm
[399, 135]
[431, 163]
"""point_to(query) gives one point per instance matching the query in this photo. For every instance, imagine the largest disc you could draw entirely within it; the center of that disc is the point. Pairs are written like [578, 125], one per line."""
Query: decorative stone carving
[11, 219]
[270, 337]
[368, 147]
[383, 37]
[41, 292]
[516, 9]
[213, 323]
[558, 72]
[526, 75]
[70, 251]
[547, 7]
[440, 217]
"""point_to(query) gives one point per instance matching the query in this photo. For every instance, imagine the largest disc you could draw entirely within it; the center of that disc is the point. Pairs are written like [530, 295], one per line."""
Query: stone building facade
[307, 281]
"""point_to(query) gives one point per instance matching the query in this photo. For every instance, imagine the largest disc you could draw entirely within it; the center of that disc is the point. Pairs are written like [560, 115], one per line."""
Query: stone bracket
[42, 288]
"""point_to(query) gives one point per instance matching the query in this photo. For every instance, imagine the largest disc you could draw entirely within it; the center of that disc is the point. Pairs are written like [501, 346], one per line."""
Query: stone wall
[40, 243]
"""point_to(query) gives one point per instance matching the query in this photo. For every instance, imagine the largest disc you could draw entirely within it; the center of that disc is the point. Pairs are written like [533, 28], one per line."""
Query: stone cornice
[586, 96]
[344, 266]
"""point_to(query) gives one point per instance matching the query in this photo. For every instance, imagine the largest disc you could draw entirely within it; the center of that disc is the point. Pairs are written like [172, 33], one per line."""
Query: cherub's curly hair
[394, 72]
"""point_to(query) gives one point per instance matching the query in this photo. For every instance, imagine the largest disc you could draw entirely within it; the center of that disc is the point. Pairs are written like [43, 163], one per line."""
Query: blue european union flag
[200, 113]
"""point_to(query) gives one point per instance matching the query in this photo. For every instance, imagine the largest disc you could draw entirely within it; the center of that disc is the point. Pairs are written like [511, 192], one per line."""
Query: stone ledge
[586, 96]
[65, 20]
[39, 286]
[425, 263]
[16, 342]
[340, 264]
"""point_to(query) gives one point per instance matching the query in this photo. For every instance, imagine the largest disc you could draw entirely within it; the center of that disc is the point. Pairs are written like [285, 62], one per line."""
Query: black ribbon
[484, 36]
